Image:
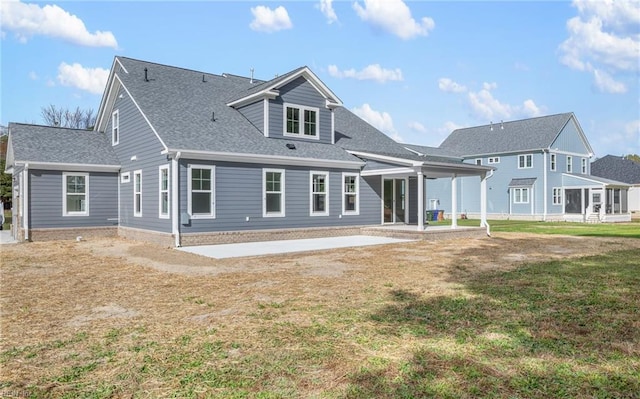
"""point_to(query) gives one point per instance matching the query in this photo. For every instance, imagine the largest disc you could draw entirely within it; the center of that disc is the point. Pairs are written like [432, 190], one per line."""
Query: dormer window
[300, 121]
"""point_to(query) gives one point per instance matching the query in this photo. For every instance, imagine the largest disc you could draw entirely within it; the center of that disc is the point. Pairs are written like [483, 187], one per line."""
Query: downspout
[544, 187]
[483, 218]
[175, 208]
[25, 204]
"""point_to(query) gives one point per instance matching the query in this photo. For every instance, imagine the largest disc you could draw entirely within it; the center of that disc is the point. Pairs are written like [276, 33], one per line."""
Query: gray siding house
[542, 172]
[182, 157]
[623, 170]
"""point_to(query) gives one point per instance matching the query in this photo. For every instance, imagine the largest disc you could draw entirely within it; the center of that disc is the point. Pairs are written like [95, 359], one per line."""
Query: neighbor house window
[520, 195]
[201, 198]
[557, 196]
[350, 194]
[75, 201]
[553, 162]
[494, 160]
[300, 121]
[137, 193]
[319, 193]
[525, 161]
[163, 191]
[273, 187]
[479, 161]
[115, 127]
[584, 166]
[569, 164]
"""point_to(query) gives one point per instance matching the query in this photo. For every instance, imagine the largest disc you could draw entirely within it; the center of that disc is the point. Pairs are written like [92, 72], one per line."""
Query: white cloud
[417, 126]
[380, 120]
[92, 80]
[604, 37]
[393, 16]
[268, 20]
[33, 75]
[449, 86]
[605, 83]
[326, 7]
[371, 72]
[27, 20]
[485, 106]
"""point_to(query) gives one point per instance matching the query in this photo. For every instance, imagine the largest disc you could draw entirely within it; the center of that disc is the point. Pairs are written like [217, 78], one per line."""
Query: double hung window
[273, 187]
[76, 194]
[201, 198]
[300, 121]
[319, 193]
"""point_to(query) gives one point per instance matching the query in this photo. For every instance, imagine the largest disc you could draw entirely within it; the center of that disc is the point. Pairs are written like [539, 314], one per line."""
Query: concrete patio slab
[222, 251]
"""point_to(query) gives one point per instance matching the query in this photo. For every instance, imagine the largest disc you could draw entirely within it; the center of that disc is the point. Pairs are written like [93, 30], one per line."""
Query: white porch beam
[454, 201]
[483, 200]
[421, 214]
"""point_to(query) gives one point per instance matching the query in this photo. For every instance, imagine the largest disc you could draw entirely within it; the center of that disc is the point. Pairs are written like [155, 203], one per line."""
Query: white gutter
[70, 167]
[175, 208]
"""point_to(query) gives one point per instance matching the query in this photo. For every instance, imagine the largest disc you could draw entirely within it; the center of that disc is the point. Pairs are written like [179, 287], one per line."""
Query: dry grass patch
[115, 318]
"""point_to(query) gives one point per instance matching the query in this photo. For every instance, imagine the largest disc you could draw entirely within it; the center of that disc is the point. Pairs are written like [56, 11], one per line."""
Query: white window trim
[211, 215]
[553, 162]
[137, 173]
[521, 189]
[583, 165]
[569, 164]
[115, 127]
[357, 194]
[559, 196]
[264, 193]
[478, 161]
[161, 215]
[125, 177]
[494, 160]
[64, 194]
[525, 161]
[326, 193]
[302, 108]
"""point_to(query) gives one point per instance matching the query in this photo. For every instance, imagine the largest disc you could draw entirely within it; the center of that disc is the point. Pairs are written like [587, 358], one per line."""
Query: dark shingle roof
[35, 143]
[617, 168]
[527, 181]
[179, 105]
[522, 135]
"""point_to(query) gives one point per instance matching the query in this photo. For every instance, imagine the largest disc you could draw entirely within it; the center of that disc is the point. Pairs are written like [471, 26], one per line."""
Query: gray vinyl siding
[299, 92]
[138, 140]
[239, 195]
[569, 140]
[413, 200]
[46, 201]
[255, 114]
[378, 165]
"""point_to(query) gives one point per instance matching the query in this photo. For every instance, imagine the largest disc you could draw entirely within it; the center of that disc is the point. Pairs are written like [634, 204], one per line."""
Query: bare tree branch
[64, 117]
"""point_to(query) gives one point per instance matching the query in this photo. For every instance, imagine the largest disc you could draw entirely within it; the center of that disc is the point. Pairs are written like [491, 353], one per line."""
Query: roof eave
[71, 167]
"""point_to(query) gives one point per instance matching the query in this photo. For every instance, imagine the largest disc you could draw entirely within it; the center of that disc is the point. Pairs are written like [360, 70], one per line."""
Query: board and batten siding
[46, 200]
[139, 149]
[300, 92]
[239, 195]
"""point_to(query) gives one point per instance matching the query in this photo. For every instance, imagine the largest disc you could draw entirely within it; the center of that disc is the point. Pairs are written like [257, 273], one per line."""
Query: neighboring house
[542, 172]
[182, 157]
[620, 169]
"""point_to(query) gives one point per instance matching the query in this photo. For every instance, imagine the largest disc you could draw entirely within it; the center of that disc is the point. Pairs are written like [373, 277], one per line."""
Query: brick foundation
[156, 237]
[230, 237]
[69, 233]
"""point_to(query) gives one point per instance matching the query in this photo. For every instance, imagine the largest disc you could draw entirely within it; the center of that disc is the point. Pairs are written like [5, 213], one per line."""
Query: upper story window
[584, 166]
[525, 161]
[494, 160]
[201, 195]
[115, 127]
[75, 201]
[552, 160]
[569, 164]
[319, 193]
[478, 161]
[300, 121]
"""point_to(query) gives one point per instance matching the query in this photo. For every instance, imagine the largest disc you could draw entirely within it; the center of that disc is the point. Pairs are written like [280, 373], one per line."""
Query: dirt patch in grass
[123, 318]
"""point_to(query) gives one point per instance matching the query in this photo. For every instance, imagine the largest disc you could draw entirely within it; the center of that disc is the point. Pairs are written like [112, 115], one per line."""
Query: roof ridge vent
[251, 81]
[491, 126]
[501, 124]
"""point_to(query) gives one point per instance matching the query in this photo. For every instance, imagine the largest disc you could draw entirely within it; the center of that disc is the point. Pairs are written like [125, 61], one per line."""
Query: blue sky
[416, 70]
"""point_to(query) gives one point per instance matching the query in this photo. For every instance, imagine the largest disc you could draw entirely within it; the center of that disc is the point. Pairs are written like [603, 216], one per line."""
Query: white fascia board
[265, 159]
[389, 171]
[505, 153]
[318, 85]
[267, 93]
[71, 167]
[385, 158]
[593, 179]
[107, 95]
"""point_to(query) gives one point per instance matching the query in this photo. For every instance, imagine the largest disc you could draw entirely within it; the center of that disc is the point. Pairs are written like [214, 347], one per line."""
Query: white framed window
[494, 160]
[525, 161]
[273, 189]
[125, 177]
[201, 195]
[115, 127]
[350, 194]
[137, 193]
[163, 191]
[521, 195]
[552, 160]
[319, 193]
[478, 161]
[557, 196]
[583, 166]
[569, 163]
[75, 194]
[300, 121]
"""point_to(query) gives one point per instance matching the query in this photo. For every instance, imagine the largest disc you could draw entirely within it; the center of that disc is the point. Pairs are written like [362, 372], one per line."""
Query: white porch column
[454, 201]
[483, 200]
[420, 201]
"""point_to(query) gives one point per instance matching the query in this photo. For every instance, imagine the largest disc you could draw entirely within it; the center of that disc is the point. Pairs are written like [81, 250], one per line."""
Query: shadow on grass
[557, 329]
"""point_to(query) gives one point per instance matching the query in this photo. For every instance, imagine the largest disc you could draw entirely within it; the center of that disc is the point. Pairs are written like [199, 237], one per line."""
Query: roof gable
[507, 137]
